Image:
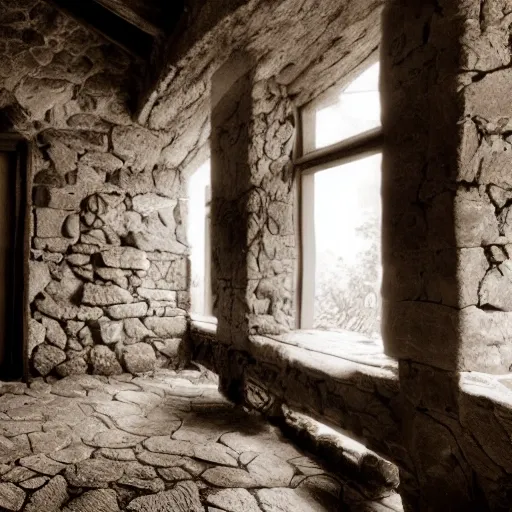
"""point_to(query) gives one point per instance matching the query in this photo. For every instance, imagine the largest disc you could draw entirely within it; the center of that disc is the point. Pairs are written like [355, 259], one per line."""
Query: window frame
[306, 165]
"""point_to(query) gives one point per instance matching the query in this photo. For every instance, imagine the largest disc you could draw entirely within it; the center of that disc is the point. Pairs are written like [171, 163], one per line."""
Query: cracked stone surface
[94, 462]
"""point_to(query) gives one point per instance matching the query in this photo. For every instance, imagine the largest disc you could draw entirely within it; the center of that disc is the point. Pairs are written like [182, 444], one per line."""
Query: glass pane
[342, 114]
[198, 188]
[348, 269]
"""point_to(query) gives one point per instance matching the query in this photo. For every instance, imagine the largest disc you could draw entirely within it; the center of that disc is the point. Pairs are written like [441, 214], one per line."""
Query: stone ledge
[357, 392]
[203, 324]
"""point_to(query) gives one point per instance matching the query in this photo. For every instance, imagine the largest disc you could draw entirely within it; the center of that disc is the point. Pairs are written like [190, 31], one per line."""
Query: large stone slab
[100, 500]
[11, 497]
[73, 454]
[94, 473]
[270, 471]
[142, 426]
[288, 500]
[50, 498]
[184, 497]
[114, 438]
[216, 453]
[164, 444]
[233, 500]
[221, 476]
[47, 442]
[42, 464]
[162, 460]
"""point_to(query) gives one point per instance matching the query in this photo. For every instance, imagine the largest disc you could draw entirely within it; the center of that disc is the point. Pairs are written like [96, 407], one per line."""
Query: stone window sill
[339, 378]
[321, 352]
[333, 355]
[203, 324]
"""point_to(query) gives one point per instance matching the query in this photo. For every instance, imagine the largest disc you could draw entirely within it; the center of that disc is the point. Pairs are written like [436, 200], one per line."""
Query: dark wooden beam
[108, 25]
[145, 15]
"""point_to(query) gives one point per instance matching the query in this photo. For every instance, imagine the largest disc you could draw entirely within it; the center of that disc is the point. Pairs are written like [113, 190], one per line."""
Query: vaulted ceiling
[135, 25]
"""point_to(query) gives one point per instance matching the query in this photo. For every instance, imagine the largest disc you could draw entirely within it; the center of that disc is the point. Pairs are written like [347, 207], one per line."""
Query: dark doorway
[13, 165]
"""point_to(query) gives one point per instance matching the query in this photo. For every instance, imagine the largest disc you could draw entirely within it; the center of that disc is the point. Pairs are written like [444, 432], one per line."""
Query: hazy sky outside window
[347, 213]
[197, 190]
[357, 110]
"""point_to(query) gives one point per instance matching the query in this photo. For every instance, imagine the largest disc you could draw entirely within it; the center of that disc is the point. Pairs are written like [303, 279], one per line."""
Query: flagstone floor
[169, 442]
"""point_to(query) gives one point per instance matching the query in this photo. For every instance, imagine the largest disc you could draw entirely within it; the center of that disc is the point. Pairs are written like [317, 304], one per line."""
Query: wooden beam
[144, 19]
[108, 25]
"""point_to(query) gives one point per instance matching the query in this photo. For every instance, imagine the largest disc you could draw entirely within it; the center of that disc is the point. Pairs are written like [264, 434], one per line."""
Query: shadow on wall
[232, 112]
[432, 247]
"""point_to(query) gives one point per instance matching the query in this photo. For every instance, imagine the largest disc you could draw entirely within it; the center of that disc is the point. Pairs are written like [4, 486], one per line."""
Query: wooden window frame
[365, 144]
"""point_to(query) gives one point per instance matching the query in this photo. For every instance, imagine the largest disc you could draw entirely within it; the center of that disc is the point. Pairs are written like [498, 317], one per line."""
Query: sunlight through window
[342, 212]
[199, 239]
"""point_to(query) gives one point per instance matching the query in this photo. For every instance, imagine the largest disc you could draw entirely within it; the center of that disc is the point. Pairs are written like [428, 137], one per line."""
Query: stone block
[495, 106]
[38, 95]
[171, 348]
[167, 327]
[50, 222]
[105, 295]
[54, 332]
[157, 294]
[467, 340]
[102, 161]
[145, 204]
[36, 335]
[135, 310]
[135, 330]
[111, 332]
[73, 366]
[475, 219]
[125, 257]
[496, 287]
[139, 358]
[38, 278]
[46, 358]
[71, 226]
[104, 361]
[51, 244]
[127, 141]
[156, 242]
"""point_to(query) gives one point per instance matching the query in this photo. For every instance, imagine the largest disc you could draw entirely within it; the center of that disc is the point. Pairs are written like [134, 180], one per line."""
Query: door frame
[16, 365]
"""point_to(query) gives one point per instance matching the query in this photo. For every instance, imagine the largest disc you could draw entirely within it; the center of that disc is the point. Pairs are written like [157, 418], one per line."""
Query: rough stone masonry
[108, 278]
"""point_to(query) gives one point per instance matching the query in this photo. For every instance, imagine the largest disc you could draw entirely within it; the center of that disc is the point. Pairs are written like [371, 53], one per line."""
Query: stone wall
[446, 187]
[108, 273]
[252, 210]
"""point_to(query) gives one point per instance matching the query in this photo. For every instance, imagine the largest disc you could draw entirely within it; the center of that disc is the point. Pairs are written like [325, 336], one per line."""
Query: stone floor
[168, 442]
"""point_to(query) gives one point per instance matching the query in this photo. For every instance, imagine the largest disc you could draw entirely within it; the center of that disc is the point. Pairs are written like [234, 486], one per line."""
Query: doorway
[13, 165]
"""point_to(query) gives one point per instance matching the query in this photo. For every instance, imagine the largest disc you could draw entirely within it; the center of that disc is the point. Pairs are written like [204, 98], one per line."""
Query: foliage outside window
[341, 209]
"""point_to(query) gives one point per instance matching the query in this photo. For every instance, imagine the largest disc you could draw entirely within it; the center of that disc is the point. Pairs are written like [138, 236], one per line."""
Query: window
[199, 194]
[341, 209]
